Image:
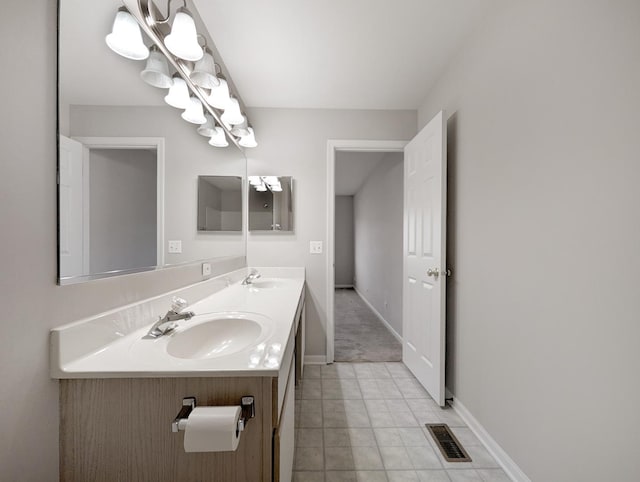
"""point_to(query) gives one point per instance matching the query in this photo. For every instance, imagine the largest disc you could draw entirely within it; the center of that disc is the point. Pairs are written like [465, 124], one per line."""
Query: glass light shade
[156, 72]
[218, 139]
[183, 39]
[241, 129]
[194, 112]
[178, 95]
[126, 38]
[204, 72]
[232, 114]
[207, 128]
[219, 96]
[249, 140]
[255, 180]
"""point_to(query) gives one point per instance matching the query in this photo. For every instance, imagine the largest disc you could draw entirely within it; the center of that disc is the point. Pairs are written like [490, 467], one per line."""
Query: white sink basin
[268, 283]
[219, 335]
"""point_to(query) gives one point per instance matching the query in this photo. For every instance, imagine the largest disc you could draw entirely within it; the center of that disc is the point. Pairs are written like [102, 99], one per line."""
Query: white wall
[302, 153]
[31, 302]
[344, 241]
[378, 208]
[123, 209]
[544, 232]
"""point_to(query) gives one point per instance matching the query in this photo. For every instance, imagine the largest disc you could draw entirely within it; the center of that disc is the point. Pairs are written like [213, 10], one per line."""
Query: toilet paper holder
[247, 403]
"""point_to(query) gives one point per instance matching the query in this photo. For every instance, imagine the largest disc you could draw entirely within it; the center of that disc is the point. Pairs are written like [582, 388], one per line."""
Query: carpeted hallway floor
[360, 336]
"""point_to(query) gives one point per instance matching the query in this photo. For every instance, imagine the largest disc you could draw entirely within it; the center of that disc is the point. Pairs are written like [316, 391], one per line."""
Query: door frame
[156, 143]
[334, 146]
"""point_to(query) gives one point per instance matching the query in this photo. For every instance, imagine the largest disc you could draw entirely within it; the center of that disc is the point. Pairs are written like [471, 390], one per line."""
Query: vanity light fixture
[178, 95]
[197, 85]
[207, 129]
[156, 72]
[218, 139]
[241, 130]
[232, 114]
[248, 140]
[204, 72]
[219, 96]
[125, 38]
[194, 112]
[183, 39]
[263, 183]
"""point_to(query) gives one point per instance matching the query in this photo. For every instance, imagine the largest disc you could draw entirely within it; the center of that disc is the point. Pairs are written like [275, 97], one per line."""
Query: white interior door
[425, 196]
[71, 208]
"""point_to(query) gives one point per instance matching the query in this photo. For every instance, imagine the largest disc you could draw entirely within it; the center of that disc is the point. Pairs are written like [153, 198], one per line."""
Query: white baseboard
[315, 360]
[379, 316]
[508, 465]
[342, 286]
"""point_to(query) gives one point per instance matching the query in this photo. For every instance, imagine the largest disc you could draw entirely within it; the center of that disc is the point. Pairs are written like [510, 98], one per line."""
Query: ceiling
[353, 54]
[353, 168]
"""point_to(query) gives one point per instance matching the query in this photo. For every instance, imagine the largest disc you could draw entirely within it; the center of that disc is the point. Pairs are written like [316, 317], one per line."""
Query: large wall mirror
[129, 165]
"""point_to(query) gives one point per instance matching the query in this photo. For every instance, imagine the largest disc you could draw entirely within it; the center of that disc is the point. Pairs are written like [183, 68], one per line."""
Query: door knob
[435, 272]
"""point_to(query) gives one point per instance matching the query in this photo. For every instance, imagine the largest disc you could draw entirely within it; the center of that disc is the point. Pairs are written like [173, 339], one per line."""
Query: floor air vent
[451, 449]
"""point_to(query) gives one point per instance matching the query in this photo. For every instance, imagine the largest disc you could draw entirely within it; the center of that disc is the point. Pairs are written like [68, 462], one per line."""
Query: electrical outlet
[175, 246]
[206, 269]
[315, 247]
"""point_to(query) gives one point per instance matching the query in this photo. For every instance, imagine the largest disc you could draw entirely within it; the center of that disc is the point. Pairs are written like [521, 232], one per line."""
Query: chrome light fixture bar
[157, 29]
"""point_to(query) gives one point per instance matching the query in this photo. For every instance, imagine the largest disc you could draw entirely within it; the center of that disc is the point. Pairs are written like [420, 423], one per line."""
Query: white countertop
[128, 355]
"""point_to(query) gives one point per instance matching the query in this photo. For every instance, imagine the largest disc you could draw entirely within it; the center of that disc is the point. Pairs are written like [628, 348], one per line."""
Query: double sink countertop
[237, 330]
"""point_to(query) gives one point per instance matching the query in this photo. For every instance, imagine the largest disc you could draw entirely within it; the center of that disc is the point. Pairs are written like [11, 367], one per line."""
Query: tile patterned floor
[364, 422]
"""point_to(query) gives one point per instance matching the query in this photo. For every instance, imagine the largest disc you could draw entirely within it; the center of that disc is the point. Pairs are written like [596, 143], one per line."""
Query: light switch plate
[206, 269]
[175, 246]
[315, 247]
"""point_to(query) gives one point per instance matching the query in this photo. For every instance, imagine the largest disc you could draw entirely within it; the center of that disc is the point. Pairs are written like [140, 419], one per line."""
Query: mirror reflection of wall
[219, 203]
[101, 95]
[270, 203]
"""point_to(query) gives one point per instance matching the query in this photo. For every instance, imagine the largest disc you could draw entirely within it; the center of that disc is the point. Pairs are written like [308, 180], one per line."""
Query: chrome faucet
[167, 323]
[253, 275]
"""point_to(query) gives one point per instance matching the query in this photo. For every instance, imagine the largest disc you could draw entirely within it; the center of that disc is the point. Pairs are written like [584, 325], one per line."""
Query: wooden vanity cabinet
[119, 429]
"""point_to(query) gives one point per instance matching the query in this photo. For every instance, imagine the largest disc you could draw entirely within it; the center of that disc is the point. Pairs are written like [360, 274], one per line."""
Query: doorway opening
[364, 250]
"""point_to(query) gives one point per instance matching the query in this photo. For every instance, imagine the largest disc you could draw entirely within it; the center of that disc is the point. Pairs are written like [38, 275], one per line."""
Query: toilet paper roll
[212, 429]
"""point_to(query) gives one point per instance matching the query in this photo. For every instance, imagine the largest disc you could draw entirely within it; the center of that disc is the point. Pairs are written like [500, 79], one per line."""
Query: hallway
[359, 335]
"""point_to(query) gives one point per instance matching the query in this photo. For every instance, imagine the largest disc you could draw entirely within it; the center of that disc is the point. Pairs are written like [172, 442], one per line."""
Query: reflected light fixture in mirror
[204, 72]
[219, 96]
[178, 95]
[207, 129]
[179, 42]
[156, 72]
[218, 139]
[232, 114]
[194, 113]
[241, 130]
[249, 140]
[125, 38]
[183, 39]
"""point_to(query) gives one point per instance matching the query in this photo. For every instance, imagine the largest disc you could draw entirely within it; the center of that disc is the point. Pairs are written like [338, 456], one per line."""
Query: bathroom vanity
[120, 392]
